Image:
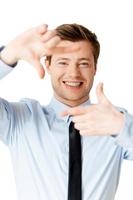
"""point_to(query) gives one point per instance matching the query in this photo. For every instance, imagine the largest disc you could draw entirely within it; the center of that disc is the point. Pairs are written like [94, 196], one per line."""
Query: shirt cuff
[125, 137]
[12, 65]
[4, 69]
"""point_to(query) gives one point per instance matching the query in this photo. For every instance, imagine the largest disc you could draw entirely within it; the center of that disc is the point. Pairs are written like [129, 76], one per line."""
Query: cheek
[57, 73]
[88, 74]
[56, 76]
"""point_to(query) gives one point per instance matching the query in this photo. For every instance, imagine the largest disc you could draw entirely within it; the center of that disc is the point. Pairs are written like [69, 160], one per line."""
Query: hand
[99, 119]
[31, 46]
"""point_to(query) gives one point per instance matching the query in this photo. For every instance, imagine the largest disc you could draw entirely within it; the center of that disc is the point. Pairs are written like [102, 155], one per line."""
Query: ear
[47, 66]
[95, 70]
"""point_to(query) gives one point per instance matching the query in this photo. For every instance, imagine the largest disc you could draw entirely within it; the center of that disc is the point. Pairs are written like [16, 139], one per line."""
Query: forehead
[82, 49]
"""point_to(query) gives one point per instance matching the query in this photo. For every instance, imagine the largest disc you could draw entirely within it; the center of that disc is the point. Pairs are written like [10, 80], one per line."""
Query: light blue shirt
[38, 140]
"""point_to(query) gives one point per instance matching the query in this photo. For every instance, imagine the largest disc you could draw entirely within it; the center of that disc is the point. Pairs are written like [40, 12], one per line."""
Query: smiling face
[72, 74]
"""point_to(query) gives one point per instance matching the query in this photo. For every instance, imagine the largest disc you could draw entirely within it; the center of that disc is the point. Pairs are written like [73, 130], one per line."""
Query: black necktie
[75, 165]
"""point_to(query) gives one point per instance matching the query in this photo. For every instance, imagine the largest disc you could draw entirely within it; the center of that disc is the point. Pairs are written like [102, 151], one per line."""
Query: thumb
[102, 99]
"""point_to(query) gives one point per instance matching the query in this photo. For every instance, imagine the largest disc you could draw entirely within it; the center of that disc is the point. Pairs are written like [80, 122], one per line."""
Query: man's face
[72, 74]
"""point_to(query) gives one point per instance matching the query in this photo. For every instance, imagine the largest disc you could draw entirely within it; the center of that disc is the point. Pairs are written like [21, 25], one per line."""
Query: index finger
[70, 49]
[74, 111]
[52, 46]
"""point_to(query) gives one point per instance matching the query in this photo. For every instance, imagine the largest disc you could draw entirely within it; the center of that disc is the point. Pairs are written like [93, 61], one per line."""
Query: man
[38, 136]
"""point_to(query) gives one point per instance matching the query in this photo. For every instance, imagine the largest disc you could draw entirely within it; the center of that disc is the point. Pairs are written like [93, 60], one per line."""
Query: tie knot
[71, 124]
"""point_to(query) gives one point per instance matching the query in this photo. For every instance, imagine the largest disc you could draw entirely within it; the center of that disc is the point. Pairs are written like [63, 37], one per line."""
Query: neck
[72, 103]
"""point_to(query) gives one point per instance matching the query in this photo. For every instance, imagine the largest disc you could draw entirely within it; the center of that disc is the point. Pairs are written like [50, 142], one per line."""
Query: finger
[42, 28]
[80, 118]
[38, 66]
[64, 113]
[87, 115]
[81, 126]
[52, 48]
[89, 130]
[57, 50]
[48, 35]
[86, 132]
[92, 132]
[52, 43]
[100, 94]
[74, 111]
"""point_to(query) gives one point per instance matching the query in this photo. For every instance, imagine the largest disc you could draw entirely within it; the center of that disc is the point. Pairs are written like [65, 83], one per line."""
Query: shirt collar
[59, 107]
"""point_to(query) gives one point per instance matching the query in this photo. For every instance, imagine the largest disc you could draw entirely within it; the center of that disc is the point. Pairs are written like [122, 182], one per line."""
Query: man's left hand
[98, 119]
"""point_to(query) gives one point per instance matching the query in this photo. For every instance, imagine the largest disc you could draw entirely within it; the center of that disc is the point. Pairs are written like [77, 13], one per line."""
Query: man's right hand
[31, 46]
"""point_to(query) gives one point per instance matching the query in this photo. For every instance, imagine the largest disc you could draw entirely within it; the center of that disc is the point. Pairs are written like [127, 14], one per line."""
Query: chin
[75, 98]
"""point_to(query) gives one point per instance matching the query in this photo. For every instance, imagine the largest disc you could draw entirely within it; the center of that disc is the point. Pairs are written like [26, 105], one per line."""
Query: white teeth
[74, 84]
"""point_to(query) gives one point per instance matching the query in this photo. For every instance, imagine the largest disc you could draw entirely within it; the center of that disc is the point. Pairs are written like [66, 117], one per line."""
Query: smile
[73, 83]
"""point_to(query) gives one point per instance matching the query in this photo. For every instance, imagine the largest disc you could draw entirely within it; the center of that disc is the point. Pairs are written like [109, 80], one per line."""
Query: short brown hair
[76, 32]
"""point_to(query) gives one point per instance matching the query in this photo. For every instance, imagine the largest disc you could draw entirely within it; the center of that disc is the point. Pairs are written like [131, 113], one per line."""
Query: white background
[112, 22]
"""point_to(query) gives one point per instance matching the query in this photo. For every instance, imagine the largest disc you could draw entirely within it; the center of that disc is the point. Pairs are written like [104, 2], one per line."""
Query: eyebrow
[88, 59]
[61, 58]
[80, 59]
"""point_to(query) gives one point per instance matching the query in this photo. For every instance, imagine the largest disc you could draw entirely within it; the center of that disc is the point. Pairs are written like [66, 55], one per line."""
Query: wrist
[120, 119]
[7, 57]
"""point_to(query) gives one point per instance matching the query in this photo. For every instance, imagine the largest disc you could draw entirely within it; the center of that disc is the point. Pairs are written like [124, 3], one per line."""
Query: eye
[62, 63]
[84, 64]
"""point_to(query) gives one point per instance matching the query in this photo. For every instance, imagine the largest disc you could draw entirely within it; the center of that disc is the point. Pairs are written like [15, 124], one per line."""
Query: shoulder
[31, 104]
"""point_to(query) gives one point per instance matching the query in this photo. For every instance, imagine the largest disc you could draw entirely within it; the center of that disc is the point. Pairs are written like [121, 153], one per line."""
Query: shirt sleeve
[13, 117]
[125, 137]
[4, 69]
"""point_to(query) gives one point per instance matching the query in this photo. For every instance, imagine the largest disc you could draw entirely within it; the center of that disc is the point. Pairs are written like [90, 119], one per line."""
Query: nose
[73, 71]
